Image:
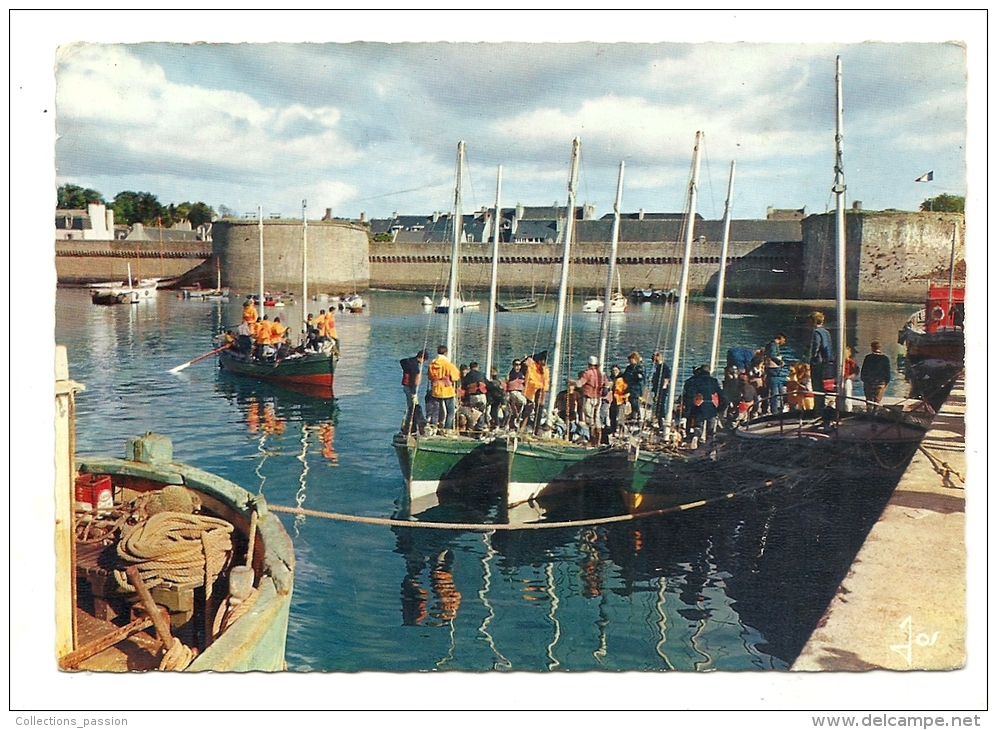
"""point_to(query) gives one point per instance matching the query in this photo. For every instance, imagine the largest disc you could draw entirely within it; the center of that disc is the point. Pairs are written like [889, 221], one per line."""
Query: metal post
[683, 284]
[613, 246]
[562, 292]
[458, 228]
[494, 287]
[304, 270]
[839, 218]
[722, 277]
[260, 210]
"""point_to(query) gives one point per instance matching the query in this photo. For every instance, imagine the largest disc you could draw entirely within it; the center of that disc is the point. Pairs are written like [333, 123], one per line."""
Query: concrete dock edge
[902, 605]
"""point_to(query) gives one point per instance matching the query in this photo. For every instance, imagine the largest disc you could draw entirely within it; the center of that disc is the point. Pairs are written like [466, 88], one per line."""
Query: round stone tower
[338, 260]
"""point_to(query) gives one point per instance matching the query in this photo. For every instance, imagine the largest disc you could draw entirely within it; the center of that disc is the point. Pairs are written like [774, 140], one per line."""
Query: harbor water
[736, 585]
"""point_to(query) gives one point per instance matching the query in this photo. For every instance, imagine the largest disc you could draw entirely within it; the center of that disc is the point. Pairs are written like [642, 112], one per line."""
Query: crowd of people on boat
[595, 405]
[264, 340]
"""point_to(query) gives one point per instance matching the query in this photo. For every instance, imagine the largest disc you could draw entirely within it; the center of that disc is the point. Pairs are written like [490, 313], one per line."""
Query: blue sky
[372, 126]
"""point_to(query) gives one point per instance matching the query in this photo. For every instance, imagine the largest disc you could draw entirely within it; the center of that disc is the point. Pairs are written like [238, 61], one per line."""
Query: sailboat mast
[613, 246]
[949, 319]
[494, 287]
[304, 269]
[455, 253]
[721, 278]
[562, 292]
[839, 223]
[260, 211]
[683, 283]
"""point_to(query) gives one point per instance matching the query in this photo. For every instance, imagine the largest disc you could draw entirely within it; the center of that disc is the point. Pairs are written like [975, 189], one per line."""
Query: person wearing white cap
[591, 384]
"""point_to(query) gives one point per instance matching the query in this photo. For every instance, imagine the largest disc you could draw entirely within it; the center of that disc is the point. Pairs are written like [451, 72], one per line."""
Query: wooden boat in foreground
[162, 565]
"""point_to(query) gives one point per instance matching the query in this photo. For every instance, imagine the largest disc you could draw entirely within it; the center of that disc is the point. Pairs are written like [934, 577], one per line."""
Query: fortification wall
[338, 255]
[889, 256]
[86, 262]
[755, 269]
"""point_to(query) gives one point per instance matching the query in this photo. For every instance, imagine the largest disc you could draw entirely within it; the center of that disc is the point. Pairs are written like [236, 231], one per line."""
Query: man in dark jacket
[660, 378]
[634, 376]
[411, 377]
[875, 375]
[821, 359]
[702, 399]
[776, 373]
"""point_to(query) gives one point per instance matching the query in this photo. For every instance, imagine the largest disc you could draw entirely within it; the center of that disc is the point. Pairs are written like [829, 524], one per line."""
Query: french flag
[926, 177]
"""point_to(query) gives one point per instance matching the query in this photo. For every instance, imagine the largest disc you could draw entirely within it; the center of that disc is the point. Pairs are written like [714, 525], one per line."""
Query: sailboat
[784, 445]
[440, 465]
[124, 292]
[545, 465]
[617, 301]
[308, 371]
[885, 437]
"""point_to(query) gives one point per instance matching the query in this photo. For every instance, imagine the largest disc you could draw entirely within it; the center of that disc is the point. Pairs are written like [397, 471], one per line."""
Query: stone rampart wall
[889, 256]
[755, 269]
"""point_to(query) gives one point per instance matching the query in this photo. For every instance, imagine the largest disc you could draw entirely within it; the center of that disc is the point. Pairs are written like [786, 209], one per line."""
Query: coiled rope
[489, 527]
[173, 547]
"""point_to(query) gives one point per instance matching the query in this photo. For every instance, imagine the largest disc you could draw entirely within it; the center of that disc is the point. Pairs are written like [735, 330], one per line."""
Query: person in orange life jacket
[279, 336]
[443, 377]
[618, 393]
[535, 390]
[514, 386]
[249, 313]
[591, 384]
[411, 378]
[702, 399]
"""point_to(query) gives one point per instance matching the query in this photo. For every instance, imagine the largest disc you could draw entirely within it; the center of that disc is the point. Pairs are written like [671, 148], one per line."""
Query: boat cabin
[938, 313]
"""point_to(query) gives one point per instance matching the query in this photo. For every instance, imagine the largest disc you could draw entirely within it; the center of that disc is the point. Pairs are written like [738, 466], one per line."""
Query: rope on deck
[490, 527]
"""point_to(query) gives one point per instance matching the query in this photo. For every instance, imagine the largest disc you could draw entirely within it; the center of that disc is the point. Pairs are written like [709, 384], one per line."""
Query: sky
[362, 112]
[371, 126]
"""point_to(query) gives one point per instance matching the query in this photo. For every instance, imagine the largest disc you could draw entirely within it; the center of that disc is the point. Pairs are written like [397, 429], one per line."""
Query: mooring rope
[500, 526]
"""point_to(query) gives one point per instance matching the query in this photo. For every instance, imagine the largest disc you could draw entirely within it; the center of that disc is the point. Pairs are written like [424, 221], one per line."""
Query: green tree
[131, 207]
[945, 203]
[74, 197]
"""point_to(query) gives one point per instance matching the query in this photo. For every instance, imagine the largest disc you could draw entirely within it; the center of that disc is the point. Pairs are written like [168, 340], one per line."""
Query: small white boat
[617, 305]
[353, 303]
[444, 306]
[427, 302]
[124, 293]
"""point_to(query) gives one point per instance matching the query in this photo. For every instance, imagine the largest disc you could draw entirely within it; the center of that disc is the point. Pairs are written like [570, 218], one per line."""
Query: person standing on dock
[822, 371]
[875, 375]
[443, 376]
[411, 378]
[776, 372]
[851, 372]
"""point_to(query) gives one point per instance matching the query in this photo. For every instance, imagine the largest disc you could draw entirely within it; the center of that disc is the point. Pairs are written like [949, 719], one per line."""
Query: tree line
[131, 207]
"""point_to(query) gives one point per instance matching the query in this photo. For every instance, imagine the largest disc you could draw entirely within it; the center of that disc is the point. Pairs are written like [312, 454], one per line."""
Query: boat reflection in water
[284, 423]
[756, 571]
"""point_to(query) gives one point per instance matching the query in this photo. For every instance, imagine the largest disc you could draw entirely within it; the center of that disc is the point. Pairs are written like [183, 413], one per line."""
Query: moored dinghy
[162, 565]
